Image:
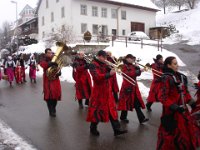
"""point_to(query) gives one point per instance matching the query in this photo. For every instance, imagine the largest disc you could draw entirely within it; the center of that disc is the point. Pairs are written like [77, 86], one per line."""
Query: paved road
[23, 109]
[190, 55]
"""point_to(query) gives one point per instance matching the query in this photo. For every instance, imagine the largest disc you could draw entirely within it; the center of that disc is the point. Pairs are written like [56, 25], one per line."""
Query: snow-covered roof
[141, 3]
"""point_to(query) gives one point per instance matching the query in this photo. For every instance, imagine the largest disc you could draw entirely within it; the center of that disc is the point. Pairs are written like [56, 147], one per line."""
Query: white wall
[73, 16]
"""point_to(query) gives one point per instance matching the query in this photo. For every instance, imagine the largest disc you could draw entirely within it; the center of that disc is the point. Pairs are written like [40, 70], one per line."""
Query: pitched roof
[26, 7]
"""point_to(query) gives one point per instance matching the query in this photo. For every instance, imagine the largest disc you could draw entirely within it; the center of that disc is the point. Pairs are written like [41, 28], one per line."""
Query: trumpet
[119, 71]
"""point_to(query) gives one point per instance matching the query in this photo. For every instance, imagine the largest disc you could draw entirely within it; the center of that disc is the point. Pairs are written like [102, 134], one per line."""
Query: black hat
[158, 57]
[101, 53]
[130, 56]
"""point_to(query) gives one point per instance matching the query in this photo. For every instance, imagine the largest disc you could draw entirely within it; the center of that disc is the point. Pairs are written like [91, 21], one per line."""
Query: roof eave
[127, 5]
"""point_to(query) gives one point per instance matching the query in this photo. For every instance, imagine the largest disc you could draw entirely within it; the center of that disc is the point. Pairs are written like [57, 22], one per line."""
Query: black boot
[34, 80]
[31, 80]
[119, 132]
[93, 129]
[116, 127]
[148, 105]
[80, 102]
[123, 116]
[50, 108]
[54, 103]
[87, 102]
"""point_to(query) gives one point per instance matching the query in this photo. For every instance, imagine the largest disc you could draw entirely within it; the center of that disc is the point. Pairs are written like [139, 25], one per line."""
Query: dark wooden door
[137, 26]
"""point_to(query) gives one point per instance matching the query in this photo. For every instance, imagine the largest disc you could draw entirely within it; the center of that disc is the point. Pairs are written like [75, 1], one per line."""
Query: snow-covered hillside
[187, 23]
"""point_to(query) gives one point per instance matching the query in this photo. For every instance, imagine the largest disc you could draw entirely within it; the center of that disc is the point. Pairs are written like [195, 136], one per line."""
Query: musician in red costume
[157, 69]
[130, 97]
[82, 78]
[102, 107]
[177, 130]
[51, 88]
[113, 79]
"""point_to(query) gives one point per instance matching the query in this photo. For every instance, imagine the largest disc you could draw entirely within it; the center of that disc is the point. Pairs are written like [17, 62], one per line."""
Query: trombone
[118, 70]
[156, 72]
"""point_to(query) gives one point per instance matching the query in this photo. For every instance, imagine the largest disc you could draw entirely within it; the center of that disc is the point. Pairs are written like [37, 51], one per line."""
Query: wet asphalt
[23, 109]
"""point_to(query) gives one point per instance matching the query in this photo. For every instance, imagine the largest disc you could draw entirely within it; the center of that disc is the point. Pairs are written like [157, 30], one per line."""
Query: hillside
[187, 23]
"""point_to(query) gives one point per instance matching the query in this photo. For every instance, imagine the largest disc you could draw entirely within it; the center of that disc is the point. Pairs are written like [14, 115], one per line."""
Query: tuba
[60, 58]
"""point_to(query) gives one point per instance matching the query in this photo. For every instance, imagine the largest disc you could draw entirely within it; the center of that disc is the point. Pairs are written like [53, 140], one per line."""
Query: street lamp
[15, 2]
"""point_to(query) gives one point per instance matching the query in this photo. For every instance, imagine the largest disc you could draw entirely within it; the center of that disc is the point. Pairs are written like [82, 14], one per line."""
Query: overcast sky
[8, 9]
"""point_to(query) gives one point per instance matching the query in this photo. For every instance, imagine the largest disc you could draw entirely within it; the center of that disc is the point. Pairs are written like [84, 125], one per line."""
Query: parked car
[137, 36]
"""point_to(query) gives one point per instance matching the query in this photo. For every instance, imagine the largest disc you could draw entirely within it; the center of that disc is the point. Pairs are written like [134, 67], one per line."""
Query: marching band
[96, 83]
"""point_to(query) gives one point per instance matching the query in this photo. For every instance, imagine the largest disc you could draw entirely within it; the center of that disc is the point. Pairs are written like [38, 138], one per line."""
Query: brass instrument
[60, 58]
[146, 68]
[119, 71]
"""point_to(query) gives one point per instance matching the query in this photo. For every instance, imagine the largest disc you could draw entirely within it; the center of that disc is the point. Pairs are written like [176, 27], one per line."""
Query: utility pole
[15, 2]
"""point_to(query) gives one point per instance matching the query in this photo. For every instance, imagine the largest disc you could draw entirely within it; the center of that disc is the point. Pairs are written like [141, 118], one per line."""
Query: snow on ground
[187, 23]
[10, 139]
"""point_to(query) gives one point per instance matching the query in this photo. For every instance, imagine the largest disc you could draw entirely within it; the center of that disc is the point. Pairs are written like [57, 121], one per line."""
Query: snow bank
[187, 23]
[10, 138]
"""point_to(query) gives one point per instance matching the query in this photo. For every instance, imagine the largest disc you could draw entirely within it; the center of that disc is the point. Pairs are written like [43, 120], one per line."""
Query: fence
[125, 39]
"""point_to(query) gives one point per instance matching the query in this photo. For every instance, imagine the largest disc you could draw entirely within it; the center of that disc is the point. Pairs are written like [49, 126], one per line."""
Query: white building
[26, 14]
[110, 17]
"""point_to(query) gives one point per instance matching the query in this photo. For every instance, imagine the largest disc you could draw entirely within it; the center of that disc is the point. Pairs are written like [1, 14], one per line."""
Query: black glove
[196, 86]
[58, 74]
[175, 107]
[87, 66]
[181, 109]
[91, 66]
[52, 64]
[193, 105]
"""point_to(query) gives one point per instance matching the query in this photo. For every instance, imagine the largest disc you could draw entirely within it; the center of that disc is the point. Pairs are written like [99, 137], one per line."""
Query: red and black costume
[177, 131]
[113, 80]
[157, 70]
[23, 68]
[130, 97]
[51, 88]
[83, 80]
[102, 107]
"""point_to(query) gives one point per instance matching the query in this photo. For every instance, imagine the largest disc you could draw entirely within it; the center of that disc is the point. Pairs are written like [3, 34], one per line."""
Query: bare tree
[162, 3]
[191, 3]
[178, 3]
[64, 34]
[5, 36]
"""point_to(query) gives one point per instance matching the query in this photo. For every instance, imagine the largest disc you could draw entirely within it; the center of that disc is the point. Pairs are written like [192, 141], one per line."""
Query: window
[30, 12]
[43, 34]
[83, 10]
[95, 29]
[62, 12]
[43, 21]
[83, 27]
[52, 17]
[47, 3]
[94, 11]
[123, 32]
[104, 12]
[52, 29]
[123, 15]
[113, 13]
